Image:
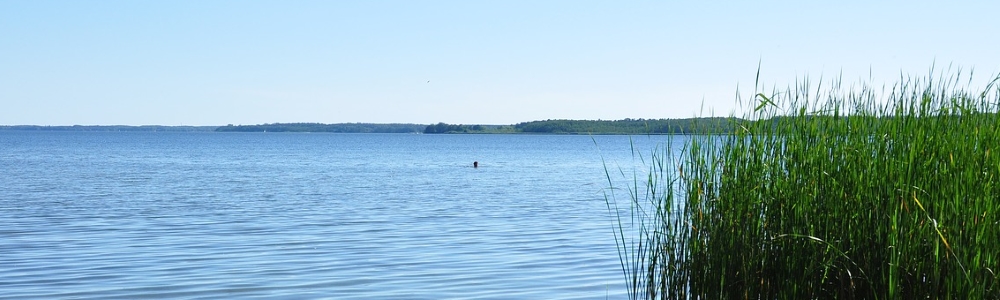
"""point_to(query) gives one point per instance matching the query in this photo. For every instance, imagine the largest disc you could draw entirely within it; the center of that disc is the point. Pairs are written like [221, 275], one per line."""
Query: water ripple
[125, 216]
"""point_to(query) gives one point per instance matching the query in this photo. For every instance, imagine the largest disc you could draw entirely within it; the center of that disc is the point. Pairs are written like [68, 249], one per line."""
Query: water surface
[265, 215]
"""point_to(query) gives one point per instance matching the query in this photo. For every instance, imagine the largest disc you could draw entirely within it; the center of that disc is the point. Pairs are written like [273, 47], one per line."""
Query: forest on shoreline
[624, 126]
[717, 125]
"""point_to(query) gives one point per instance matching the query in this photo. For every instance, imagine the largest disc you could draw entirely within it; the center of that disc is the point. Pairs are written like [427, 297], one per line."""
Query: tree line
[459, 128]
[624, 126]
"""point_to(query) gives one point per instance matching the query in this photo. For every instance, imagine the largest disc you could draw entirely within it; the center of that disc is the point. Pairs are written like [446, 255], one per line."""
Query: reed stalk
[824, 193]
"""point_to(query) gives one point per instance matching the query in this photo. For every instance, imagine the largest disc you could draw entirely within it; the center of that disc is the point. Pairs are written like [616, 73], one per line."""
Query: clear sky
[470, 62]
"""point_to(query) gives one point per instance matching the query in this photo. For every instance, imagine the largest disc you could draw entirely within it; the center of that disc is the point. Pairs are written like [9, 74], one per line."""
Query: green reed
[825, 192]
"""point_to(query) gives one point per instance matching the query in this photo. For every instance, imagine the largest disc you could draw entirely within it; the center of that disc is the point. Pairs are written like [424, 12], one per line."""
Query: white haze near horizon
[466, 62]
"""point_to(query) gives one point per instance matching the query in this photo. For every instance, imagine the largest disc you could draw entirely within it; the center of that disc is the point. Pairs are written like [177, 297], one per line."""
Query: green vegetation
[831, 194]
[630, 126]
[452, 128]
[317, 127]
[625, 126]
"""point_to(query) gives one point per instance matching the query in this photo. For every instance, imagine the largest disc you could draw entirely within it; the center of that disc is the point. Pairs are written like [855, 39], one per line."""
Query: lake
[295, 215]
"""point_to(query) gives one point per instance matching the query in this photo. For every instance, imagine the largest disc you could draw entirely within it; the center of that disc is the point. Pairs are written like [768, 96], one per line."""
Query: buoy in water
[475, 164]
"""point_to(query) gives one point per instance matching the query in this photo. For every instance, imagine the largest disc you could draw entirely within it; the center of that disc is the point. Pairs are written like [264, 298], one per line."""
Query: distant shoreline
[624, 126]
[147, 128]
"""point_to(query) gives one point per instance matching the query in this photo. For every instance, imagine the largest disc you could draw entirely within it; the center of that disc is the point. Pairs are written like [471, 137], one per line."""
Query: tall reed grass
[824, 193]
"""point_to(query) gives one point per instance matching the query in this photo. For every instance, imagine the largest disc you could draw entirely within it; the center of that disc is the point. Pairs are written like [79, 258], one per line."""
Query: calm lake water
[286, 215]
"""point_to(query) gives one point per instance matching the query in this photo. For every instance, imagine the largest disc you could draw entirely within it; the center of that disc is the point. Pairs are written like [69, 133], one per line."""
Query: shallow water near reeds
[286, 215]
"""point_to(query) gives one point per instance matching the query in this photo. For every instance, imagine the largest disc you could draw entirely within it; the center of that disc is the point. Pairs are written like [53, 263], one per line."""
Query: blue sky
[469, 62]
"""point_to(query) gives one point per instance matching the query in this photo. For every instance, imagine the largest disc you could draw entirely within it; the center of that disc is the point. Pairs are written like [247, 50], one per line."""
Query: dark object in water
[475, 164]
